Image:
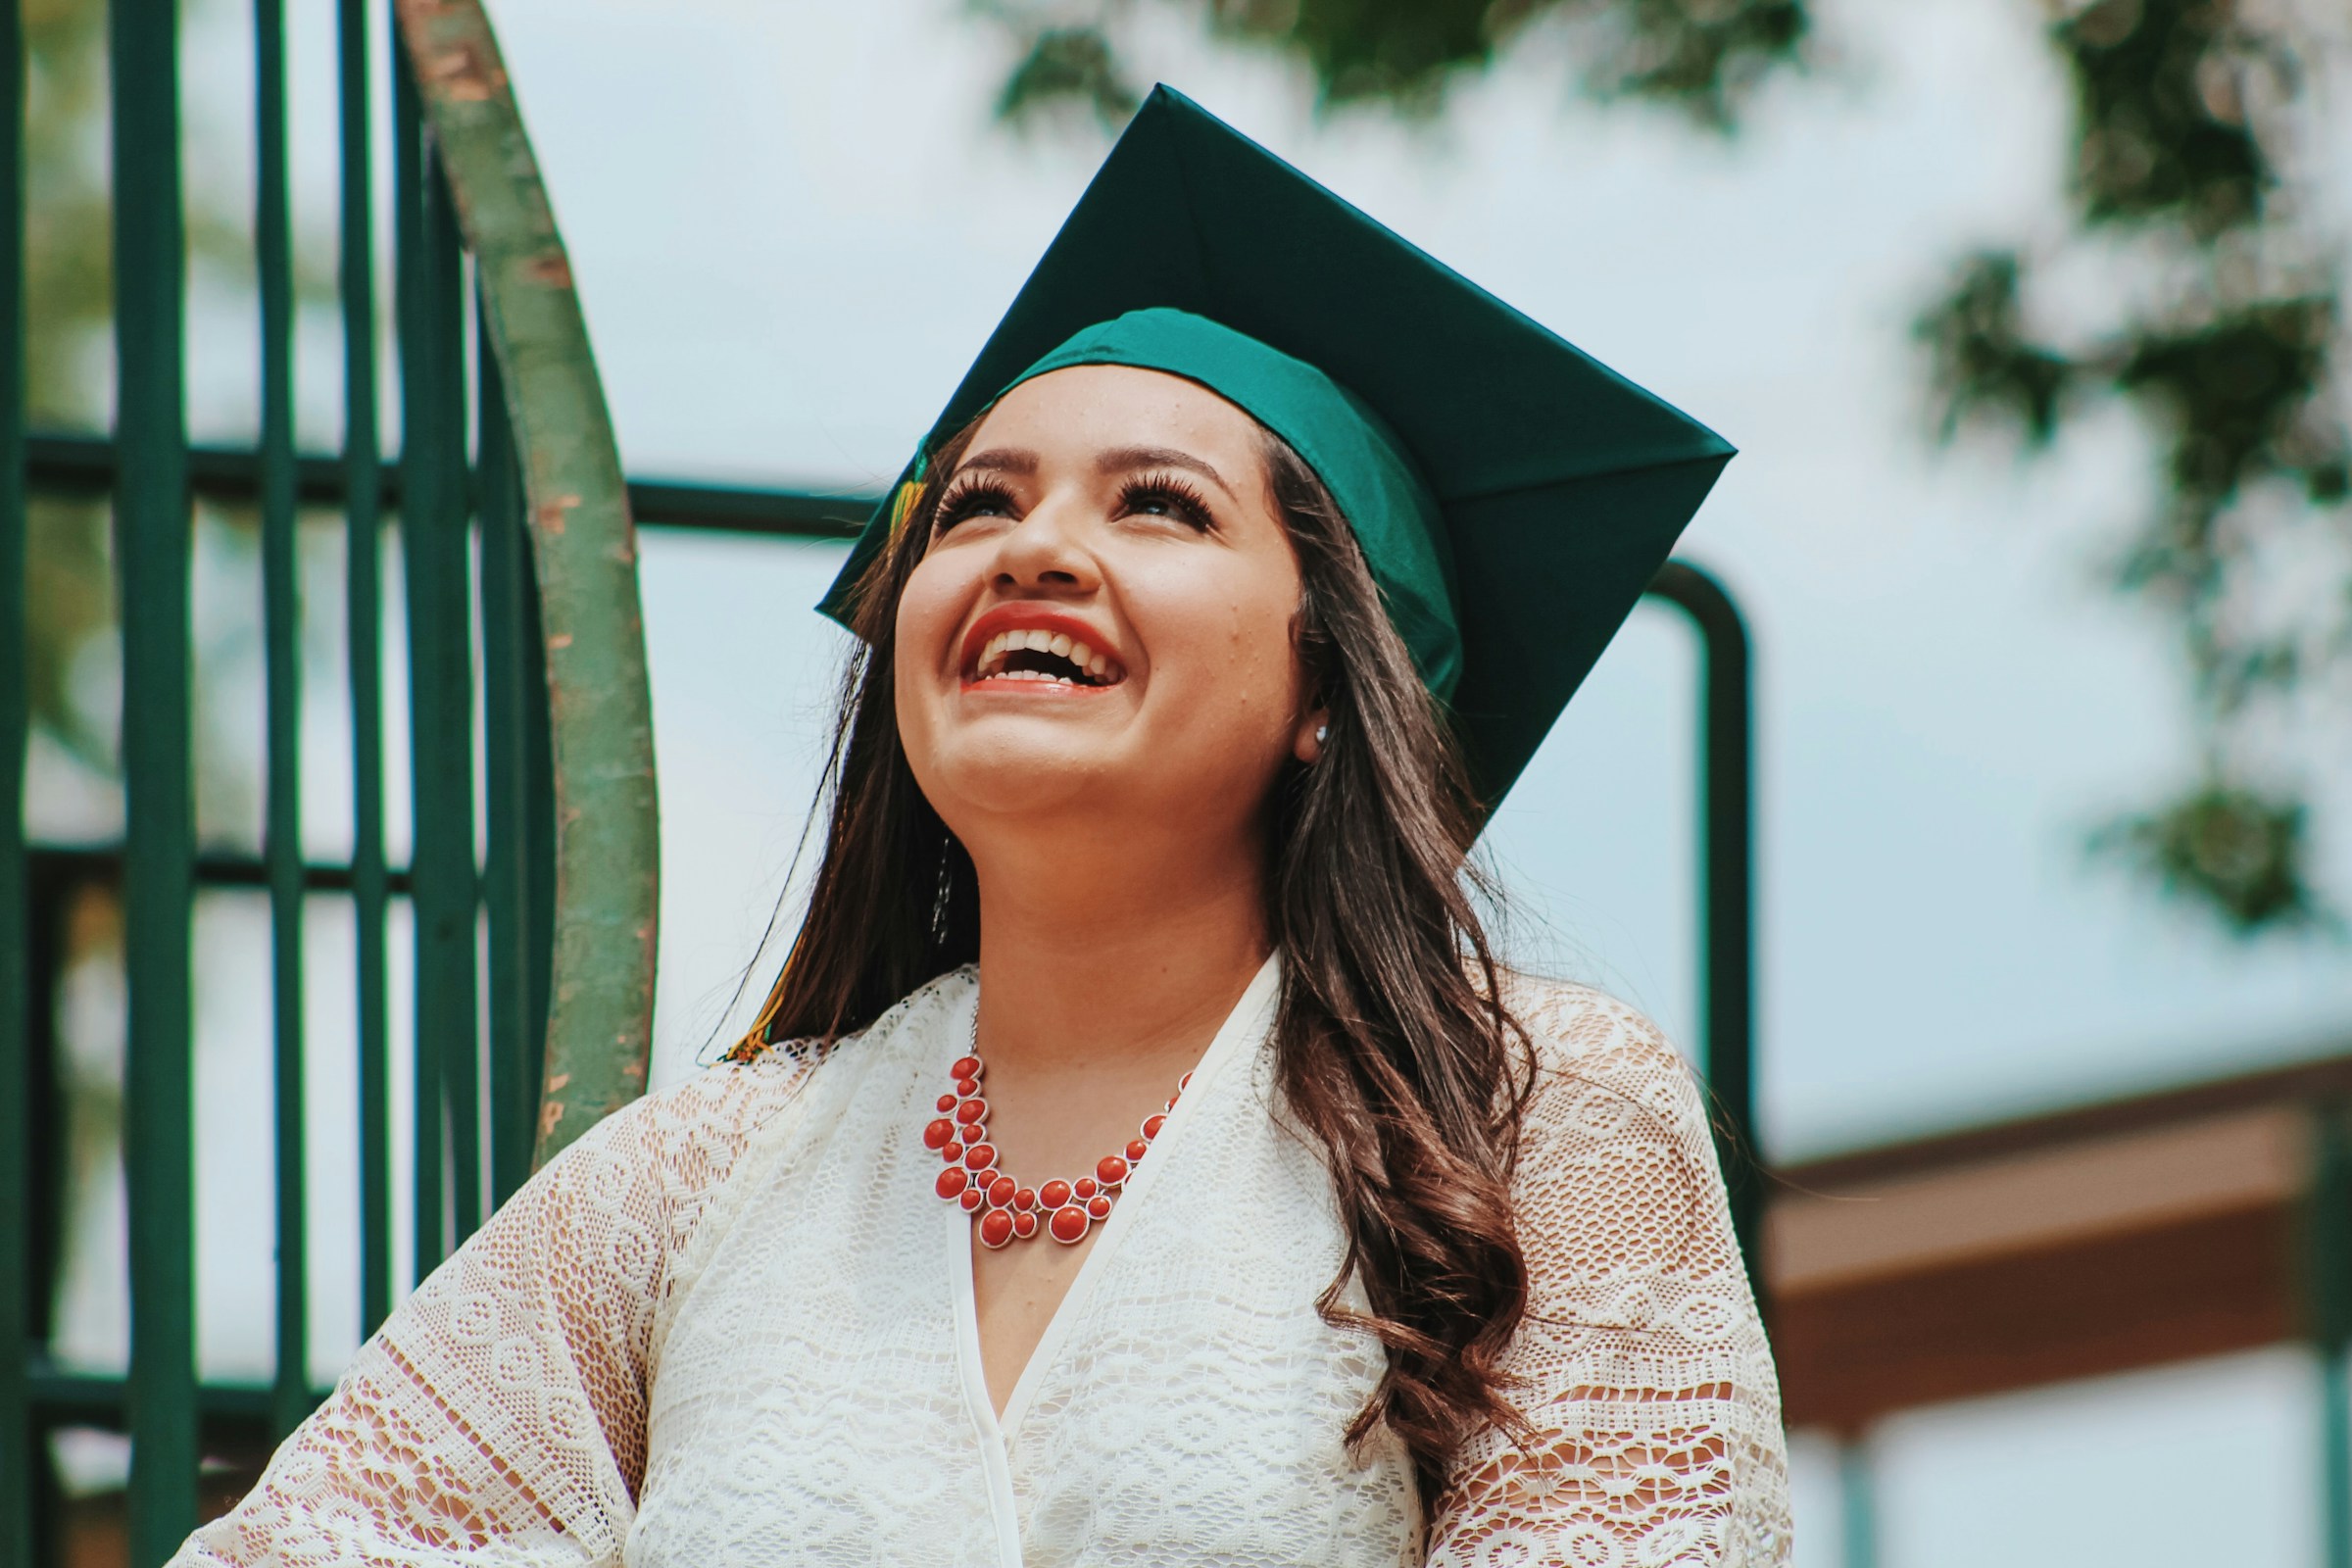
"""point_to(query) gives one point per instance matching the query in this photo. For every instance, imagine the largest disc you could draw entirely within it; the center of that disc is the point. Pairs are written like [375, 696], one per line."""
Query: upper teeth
[1060, 644]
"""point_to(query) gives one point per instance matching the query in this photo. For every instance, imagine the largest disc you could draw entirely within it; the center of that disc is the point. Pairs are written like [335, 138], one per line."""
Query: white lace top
[734, 1325]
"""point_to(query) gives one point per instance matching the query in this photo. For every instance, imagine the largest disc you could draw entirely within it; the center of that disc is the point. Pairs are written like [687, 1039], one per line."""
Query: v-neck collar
[1245, 1025]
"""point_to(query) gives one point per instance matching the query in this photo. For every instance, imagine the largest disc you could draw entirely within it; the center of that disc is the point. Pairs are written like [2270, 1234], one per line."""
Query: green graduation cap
[1513, 497]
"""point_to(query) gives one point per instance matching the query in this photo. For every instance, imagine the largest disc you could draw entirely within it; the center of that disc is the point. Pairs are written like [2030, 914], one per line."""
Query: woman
[1141, 1158]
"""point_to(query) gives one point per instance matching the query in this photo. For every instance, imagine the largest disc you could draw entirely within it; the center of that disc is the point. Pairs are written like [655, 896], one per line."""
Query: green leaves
[2161, 100]
[1701, 57]
[1983, 365]
[2237, 850]
[2224, 342]
[1066, 67]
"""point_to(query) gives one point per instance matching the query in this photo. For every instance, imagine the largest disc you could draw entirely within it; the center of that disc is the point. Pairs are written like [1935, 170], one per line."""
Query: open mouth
[1037, 654]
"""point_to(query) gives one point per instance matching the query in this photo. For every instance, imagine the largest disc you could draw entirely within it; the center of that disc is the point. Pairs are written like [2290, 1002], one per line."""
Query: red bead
[951, 1181]
[1110, 1170]
[1025, 1198]
[1099, 1207]
[1068, 1224]
[947, 1102]
[979, 1157]
[1024, 1223]
[1054, 1194]
[996, 1228]
[1001, 1191]
[1152, 1125]
[1171, 1105]
[1084, 1187]
[967, 1067]
[937, 1133]
[1137, 1148]
[968, 1111]
[966, 1087]
[1184, 1083]
[952, 1151]
[971, 1200]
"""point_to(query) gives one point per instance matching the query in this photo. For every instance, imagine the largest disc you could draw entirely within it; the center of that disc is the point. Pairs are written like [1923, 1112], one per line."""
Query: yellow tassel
[902, 505]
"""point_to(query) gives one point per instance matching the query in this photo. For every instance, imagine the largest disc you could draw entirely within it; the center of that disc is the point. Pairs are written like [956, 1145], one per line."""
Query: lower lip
[1036, 688]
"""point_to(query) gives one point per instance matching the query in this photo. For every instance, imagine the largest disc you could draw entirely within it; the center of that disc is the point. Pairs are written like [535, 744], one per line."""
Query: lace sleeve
[499, 1415]
[1645, 1374]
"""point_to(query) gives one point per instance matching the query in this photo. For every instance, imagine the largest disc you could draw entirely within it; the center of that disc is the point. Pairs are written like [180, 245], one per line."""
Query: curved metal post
[1726, 889]
[584, 547]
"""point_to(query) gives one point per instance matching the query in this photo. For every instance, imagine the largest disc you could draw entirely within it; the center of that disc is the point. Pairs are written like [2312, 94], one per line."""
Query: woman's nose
[1046, 549]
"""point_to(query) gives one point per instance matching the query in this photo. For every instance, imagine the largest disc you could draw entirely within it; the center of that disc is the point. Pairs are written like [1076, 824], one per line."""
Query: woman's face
[1103, 623]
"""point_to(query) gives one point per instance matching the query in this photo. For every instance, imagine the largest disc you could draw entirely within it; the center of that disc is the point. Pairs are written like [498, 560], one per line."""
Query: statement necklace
[1007, 1210]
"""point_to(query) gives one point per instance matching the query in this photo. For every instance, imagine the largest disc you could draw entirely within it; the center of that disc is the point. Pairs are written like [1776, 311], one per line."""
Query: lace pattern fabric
[501, 1415]
[1647, 1377]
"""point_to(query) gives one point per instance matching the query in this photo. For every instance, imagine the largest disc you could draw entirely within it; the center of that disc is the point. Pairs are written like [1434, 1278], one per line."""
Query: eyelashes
[1165, 495]
[969, 499]
[1151, 495]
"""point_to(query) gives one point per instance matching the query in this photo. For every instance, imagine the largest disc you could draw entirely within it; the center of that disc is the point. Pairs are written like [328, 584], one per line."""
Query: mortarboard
[1539, 492]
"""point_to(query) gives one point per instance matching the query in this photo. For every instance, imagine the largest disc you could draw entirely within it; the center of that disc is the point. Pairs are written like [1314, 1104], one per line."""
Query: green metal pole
[363, 612]
[1858, 1504]
[281, 653]
[151, 551]
[584, 550]
[2335, 1453]
[16, 936]
[2327, 1253]
[416, 491]
[433, 538]
[516, 768]
[1727, 893]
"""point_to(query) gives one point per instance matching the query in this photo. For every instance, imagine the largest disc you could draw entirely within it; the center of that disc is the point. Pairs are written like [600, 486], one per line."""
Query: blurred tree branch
[1702, 57]
[2231, 356]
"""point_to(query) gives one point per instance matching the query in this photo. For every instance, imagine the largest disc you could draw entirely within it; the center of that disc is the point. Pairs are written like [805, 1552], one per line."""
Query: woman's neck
[1134, 957]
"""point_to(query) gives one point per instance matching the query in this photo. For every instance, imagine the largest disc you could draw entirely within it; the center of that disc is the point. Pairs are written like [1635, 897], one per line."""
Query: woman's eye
[1159, 499]
[981, 501]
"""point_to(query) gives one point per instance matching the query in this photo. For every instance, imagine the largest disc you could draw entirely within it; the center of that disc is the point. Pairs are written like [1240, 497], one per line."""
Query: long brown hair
[1394, 1048]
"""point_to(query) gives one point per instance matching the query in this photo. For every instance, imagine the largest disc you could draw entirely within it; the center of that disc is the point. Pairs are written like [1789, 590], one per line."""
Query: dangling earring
[1322, 733]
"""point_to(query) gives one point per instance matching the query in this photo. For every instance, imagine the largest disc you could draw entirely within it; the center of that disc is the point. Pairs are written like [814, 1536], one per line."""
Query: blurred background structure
[2027, 314]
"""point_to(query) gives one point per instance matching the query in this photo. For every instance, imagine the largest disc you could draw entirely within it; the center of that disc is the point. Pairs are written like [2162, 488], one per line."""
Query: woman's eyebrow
[1000, 460]
[1124, 460]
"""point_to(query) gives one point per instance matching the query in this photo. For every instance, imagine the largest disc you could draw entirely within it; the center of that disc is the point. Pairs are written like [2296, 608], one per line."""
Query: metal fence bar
[433, 537]
[456, 875]
[510, 669]
[1857, 1503]
[152, 556]
[2327, 1308]
[417, 499]
[1727, 892]
[281, 655]
[70, 864]
[17, 1438]
[81, 465]
[362, 473]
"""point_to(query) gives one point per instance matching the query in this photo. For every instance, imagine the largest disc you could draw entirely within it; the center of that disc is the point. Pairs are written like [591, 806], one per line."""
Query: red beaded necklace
[1007, 1210]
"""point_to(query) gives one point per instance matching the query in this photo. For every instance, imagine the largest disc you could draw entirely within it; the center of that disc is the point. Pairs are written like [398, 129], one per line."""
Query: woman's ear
[1314, 727]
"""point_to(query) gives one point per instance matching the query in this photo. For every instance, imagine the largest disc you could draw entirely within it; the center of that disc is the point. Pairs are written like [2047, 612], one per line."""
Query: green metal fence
[504, 436]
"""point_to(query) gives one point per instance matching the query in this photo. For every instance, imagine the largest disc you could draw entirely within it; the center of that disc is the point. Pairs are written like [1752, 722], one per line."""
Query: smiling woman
[1141, 1157]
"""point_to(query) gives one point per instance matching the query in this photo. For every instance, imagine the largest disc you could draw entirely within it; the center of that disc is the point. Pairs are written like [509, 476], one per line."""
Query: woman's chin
[1010, 774]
